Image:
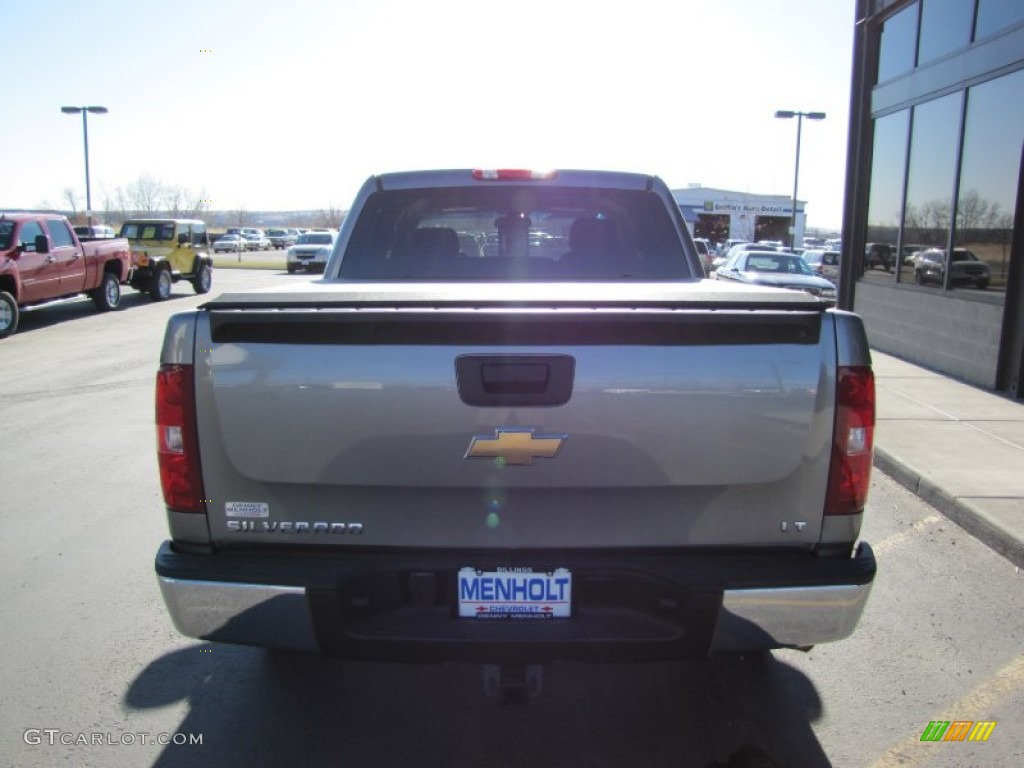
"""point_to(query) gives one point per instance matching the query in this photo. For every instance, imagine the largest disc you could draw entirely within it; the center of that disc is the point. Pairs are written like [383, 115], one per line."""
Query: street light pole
[85, 135]
[785, 114]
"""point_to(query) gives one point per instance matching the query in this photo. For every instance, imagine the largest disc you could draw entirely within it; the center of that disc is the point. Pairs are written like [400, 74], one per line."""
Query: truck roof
[24, 215]
[562, 178]
[136, 219]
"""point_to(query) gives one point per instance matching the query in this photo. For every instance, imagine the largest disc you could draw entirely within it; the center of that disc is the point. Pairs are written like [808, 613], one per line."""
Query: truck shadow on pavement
[259, 708]
[45, 316]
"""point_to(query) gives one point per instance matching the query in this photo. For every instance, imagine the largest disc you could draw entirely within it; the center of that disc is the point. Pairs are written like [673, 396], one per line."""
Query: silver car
[230, 244]
[776, 269]
[311, 251]
[823, 263]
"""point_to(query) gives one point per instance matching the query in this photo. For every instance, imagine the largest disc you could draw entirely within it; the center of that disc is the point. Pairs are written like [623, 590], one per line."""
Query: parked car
[878, 255]
[281, 238]
[256, 239]
[704, 250]
[908, 252]
[167, 251]
[230, 244]
[95, 232]
[781, 270]
[311, 251]
[437, 459]
[258, 243]
[823, 263]
[964, 269]
[742, 246]
[726, 245]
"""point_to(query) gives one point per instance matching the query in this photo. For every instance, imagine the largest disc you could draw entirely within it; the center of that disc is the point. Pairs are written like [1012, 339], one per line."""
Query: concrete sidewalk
[958, 447]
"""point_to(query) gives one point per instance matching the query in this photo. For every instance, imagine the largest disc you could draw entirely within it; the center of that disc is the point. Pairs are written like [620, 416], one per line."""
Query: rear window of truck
[514, 233]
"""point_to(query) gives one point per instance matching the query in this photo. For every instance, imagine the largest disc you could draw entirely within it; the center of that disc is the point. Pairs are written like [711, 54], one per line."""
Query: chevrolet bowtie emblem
[515, 446]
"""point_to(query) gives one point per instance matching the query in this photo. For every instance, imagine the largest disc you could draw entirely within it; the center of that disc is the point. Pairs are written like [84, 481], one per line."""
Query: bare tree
[197, 204]
[71, 200]
[912, 219]
[146, 194]
[995, 218]
[149, 196]
[972, 210]
[330, 217]
[173, 200]
[936, 213]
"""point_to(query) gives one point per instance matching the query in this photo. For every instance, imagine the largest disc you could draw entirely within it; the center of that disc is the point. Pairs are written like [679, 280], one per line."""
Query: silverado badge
[515, 445]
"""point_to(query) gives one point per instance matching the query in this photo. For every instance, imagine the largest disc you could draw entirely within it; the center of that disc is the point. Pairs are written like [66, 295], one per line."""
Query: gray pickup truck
[513, 424]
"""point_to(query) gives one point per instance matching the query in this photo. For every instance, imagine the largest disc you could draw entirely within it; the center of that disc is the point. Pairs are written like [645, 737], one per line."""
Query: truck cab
[166, 251]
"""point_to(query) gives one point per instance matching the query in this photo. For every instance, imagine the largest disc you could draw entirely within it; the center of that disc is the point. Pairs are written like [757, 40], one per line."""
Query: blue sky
[270, 105]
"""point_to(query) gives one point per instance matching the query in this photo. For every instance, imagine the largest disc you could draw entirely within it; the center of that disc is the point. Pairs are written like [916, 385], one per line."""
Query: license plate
[515, 593]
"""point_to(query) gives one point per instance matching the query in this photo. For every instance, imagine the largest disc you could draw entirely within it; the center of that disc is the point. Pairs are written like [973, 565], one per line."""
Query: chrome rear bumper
[640, 615]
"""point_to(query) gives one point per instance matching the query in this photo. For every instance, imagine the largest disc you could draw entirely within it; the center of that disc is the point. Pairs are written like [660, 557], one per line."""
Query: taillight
[511, 174]
[176, 444]
[852, 441]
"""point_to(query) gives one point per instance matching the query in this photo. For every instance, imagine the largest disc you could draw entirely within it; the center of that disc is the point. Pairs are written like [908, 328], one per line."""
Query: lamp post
[786, 114]
[85, 134]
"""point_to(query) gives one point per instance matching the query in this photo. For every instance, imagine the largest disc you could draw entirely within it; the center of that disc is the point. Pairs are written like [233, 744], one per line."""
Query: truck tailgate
[511, 427]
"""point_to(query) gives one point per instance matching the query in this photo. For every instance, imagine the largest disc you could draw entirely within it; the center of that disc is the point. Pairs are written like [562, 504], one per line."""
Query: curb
[973, 521]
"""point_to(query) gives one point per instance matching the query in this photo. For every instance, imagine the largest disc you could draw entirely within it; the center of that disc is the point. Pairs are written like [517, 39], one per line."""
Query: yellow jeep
[165, 251]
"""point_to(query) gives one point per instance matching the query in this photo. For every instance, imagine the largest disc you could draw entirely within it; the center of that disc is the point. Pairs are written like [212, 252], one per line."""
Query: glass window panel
[885, 198]
[898, 44]
[513, 232]
[987, 200]
[60, 235]
[945, 26]
[30, 230]
[929, 207]
[994, 15]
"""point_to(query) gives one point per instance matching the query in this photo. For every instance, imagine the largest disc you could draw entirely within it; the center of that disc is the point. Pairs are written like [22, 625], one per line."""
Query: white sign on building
[720, 214]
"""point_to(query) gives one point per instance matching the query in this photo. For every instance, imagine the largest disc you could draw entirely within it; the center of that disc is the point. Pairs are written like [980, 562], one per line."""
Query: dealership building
[719, 214]
[935, 168]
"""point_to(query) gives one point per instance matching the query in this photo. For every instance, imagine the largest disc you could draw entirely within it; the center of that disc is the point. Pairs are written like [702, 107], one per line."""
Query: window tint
[945, 26]
[514, 233]
[929, 208]
[994, 15]
[60, 235]
[987, 198]
[898, 44]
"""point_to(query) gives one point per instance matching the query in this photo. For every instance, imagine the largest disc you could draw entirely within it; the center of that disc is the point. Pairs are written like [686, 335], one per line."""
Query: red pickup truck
[42, 259]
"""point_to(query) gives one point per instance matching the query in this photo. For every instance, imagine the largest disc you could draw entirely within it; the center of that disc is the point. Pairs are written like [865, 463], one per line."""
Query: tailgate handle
[521, 380]
[515, 378]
